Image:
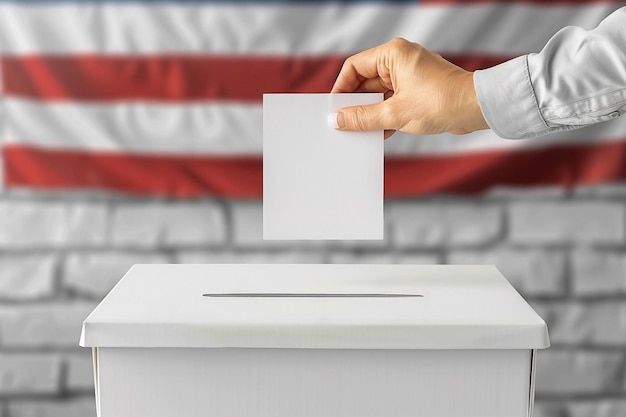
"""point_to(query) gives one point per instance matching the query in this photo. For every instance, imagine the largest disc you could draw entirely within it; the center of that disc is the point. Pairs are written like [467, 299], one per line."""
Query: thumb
[370, 117]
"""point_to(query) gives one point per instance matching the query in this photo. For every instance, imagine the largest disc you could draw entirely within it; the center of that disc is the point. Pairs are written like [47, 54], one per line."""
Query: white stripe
[192, 128]
[219, 129]
[283, 28]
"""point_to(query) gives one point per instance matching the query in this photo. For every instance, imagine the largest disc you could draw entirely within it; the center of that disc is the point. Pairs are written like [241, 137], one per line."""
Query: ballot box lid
[315, 306]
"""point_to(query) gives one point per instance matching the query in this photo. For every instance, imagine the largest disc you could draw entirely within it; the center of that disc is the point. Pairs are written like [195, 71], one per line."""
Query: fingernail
[336, 120]
[341, 120]
[332, 121]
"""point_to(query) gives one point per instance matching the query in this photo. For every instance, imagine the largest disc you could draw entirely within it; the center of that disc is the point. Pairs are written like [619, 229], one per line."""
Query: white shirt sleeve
[578, 79]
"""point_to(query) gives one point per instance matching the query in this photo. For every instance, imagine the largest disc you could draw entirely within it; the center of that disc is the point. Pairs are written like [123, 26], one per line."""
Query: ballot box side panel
[229, 382]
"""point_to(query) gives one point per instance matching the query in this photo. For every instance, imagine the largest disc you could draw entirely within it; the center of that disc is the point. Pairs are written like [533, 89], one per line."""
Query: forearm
[579, 78]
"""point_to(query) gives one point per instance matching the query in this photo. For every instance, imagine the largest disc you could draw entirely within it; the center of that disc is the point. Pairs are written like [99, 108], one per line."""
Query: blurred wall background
[564, 251]
[63, 247]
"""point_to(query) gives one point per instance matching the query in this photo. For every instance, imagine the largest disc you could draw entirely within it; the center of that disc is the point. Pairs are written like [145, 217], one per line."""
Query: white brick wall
[531, 271]
[28, 374]
[598, 409]
[547, 409]
[81, 407]
[95, 273]
[382, 258]
[565, 372]
[598, 272]
[429, 225]
[598, 323]
[30, 224]
[27, 277]
[567, 222]
[79, 371]
[565, 252]
[280, 257]
[43, 325]
[150, 225]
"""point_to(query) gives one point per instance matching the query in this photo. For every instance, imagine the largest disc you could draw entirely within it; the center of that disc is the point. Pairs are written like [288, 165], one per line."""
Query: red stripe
[177, 77]
[167, 175]
[241, 177]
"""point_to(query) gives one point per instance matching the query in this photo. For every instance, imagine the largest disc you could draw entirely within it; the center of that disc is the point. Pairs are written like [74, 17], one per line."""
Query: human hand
[424, 93]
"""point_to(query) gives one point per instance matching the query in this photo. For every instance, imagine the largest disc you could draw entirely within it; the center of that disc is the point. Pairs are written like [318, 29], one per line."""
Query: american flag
[164, 97]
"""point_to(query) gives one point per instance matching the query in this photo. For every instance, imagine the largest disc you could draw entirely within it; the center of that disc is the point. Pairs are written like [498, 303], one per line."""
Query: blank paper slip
[318, 182]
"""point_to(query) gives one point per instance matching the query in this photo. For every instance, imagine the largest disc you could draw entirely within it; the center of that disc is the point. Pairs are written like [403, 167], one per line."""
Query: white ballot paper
[318, 182]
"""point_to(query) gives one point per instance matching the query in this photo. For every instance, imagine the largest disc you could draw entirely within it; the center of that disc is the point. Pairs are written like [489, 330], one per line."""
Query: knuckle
[391, 116]
[360, 118]
[392, 110]
[402, 47]
[398, 42]
[346, 64]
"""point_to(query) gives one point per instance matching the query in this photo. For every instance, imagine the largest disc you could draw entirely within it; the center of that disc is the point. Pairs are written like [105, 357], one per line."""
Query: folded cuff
[507, 100]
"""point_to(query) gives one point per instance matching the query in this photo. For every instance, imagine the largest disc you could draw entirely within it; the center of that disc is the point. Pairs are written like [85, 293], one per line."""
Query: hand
[424, 93]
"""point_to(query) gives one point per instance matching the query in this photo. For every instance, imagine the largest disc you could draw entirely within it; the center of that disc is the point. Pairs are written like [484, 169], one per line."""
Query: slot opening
[310, 295]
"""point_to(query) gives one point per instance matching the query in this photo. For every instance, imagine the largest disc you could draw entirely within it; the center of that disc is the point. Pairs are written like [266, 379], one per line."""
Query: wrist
[469, 115]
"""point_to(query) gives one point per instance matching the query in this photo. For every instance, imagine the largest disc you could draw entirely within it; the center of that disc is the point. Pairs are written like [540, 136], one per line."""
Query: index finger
[355, 70]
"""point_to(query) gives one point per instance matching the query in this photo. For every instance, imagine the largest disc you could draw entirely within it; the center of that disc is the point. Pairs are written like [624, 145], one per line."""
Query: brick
[437, 225]
[87, 223]
[283, 257]
[600, 408]
[94, 274]
[43, 325]
[157, 224]
[28, 224]
[75, 407]
[381, 244]
[598, 324]
[525, 193]
[382, 258]
[29, 374]
[608, 323]
[248, 229]
[532, 272]
[27, 277]
[598, 273]
[561, 372]
[600, 191]
[548, 409]
[566, 222]
[79, 371]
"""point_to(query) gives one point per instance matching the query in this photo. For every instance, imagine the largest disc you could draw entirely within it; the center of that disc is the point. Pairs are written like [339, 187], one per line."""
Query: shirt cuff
[507, 100]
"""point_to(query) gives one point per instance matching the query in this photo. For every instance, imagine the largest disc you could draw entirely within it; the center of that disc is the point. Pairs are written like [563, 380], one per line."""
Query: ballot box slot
[310, 295]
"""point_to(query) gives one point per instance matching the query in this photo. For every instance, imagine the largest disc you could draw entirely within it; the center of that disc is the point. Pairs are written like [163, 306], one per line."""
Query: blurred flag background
[131, 133]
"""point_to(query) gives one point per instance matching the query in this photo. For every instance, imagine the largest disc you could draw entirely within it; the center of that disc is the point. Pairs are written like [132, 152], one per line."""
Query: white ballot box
[314, 341]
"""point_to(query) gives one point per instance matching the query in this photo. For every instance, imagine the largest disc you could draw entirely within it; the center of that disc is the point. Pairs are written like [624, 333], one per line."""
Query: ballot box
[314, 341]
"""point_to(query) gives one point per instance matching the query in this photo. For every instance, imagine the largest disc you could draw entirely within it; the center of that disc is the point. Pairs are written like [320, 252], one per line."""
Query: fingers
[365, 118]
[373, 85]
[424, 93]
[355, 70]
